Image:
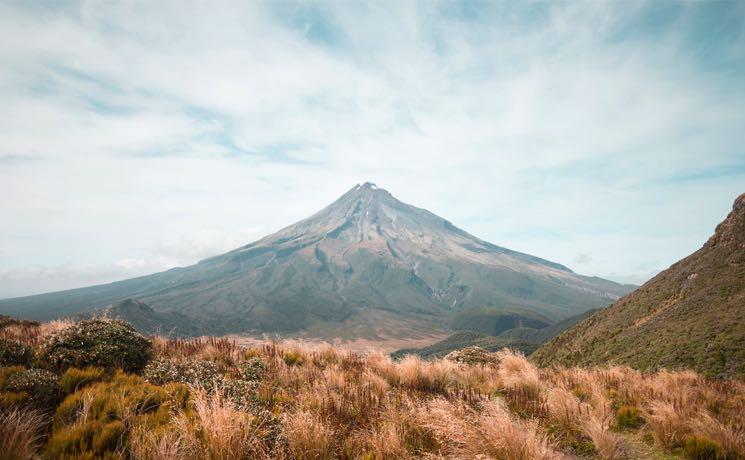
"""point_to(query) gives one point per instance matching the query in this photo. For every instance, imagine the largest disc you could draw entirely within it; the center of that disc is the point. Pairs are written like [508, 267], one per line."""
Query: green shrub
[252, 370]
[292, 358]
[702, 448]
[628, 417]
[6, 372]
[103, 343]
[13, 352]
[94, 422]
[200, 373]
[472, 355]
[87, 441]
[242, 393]
[74, 379]
[39, 384]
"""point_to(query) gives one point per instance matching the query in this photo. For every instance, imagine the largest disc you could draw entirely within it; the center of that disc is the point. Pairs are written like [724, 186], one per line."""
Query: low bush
[241, 393]
[6, 372]
[103, 343]
[293, 358]
[703, 448]
[39, 385]
[13, 352]
[94, 422]
[628, 417]
[74, 379]
[472, 355]
[252, 370]
[199, 373]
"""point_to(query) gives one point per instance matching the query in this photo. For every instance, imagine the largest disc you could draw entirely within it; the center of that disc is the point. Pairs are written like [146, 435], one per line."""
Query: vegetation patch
[629, 418]
[36, 387]
[13, 352]
[209, 399]
[105, 343]
[74, 379]
[93, 422]
[201, 373]
[703, 448]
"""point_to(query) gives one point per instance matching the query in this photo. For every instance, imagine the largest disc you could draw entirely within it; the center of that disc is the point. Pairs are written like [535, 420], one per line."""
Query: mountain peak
[731, 232]
[365, 264]
[366, 189]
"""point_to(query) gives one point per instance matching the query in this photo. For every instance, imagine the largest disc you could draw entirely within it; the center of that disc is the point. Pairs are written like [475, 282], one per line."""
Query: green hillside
[691, 315]
[496, 320]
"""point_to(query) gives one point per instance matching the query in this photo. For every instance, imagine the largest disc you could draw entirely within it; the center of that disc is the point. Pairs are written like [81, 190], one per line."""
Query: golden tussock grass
[310, 401]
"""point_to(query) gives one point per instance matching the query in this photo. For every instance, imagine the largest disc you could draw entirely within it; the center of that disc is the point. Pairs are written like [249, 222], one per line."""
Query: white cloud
[557, 129]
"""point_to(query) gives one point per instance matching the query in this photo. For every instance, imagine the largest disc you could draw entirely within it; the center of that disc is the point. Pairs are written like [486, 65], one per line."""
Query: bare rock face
[367, 265]
[731, 232]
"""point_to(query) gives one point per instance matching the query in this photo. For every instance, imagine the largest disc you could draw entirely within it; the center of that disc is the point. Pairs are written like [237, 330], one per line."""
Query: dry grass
[163, 445]
[309, 437]
[489, 433]
[314, 401]
[667, 424]
[20, 433]
[221, 430]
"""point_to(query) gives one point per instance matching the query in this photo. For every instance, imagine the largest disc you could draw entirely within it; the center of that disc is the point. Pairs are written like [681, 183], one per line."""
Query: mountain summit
[367, 264]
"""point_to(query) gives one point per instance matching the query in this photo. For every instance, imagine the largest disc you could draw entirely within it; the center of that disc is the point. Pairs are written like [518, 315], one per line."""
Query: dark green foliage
[464, 339]
[628, 417]
[496, 320]
[7, 372]
[102, 343]
[200, 373]
[74, 379]
[253, 369]
[242, 393]
[13, 352]
[39, 386]
[703, 448]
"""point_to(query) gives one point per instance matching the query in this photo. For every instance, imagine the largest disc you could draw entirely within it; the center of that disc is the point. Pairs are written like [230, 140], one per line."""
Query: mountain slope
[366, 265]
[494, 321]
[691, 315]
[145, 319]
[475, 327]
[544, 334]
[463, 339]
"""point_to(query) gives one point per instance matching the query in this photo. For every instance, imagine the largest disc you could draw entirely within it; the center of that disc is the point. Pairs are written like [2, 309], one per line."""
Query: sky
[139, 136]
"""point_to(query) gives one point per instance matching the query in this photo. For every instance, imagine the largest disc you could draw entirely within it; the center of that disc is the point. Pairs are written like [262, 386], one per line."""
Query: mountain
[496, 320]
[145, 319]
[493, 329]
[367, 265]
[691, 315]
[544, 334]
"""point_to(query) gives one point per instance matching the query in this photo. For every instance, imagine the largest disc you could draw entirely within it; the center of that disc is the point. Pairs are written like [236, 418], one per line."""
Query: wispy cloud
[604, 128]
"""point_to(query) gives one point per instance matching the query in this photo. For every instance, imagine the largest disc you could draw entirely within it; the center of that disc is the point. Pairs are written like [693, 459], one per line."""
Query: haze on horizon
[138, 136]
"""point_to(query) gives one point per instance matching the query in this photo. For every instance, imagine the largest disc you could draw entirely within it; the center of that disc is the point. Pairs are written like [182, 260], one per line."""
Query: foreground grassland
[97, 389]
